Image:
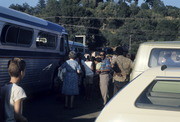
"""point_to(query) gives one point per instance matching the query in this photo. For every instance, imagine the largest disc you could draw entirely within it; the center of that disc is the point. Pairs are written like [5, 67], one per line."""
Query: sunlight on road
[88, 116]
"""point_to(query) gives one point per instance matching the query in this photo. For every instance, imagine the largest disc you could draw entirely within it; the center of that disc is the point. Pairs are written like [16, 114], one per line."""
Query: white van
[152, 54]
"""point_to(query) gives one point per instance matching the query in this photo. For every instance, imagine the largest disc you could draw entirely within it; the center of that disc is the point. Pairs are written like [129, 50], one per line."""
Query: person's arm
[79, 70]
[18, 111]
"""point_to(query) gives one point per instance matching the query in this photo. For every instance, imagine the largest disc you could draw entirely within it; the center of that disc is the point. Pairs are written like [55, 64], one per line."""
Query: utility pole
[130, 43]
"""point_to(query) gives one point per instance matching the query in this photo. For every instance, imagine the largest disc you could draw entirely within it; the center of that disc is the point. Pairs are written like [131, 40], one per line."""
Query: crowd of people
[81, 75]
[85, 74]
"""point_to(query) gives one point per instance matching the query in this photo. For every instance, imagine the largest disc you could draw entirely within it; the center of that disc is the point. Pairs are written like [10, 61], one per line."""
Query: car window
[160, 56]
[161, 94]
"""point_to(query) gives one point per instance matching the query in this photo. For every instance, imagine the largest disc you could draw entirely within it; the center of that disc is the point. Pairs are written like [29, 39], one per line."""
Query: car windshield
[169, 57]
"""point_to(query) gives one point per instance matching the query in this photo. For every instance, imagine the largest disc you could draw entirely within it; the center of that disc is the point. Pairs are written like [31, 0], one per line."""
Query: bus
[78, 47]
[39, 42]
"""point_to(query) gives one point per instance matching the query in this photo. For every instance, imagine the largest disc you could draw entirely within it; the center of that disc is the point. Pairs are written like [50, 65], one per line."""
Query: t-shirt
[11, 93]
[105, 64]
[87, 69]
[89, 64]
[98, 66]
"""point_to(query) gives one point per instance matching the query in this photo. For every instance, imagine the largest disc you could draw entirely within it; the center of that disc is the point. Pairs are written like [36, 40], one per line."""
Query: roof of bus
[8, 14]
[75, 43]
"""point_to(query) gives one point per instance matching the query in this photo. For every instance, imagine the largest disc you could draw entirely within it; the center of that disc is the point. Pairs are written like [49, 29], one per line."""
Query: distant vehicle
[152, 54]
[153, 96]
[39, 42]
[78, 47]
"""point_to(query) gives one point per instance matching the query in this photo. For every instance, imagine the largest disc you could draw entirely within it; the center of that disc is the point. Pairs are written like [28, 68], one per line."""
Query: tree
[41, 4]
[123, 10]
[144, 6]
[23, 8]
[167, 30]
[134, 9]
[52, 8]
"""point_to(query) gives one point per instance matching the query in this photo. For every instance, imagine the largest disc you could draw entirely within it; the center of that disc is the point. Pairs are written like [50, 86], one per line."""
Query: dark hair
[15, 66]
[93, 58]
[79, 55]
[98, 59]
[88, 58]
[104, 53]
[119, 51]
[72, 54]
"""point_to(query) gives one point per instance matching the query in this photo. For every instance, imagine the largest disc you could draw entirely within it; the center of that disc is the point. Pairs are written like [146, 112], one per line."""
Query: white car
[153, 96]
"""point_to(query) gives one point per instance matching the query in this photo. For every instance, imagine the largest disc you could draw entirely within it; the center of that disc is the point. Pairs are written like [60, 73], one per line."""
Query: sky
[7, 3]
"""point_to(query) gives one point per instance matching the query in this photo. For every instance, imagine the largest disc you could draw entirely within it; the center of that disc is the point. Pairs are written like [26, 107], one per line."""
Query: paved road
[45, 107]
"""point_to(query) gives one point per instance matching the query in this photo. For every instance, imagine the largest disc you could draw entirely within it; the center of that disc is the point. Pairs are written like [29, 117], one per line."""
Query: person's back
[88, 66]
[122, 67]
[12, 94]
[125, 65]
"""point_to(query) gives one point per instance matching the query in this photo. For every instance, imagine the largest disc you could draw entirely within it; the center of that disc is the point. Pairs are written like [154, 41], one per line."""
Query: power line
[135, 30]
[110, 18]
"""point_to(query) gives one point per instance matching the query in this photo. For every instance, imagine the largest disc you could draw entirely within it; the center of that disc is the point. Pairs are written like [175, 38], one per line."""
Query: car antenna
[163, 67]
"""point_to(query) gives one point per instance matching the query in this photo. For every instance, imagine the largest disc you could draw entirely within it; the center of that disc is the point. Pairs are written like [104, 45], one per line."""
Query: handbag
[61, 73]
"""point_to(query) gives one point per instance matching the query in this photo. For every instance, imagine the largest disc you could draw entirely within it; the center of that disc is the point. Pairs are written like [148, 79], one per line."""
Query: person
[13, 95]
[88, 80]
[122, 67]
[82, 75]
[98, 64]
[167, 60]
[104, 76]
[93, 64]
[70, 83]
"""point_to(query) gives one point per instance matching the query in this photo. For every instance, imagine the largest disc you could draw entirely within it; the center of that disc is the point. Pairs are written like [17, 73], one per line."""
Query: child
[13, 95]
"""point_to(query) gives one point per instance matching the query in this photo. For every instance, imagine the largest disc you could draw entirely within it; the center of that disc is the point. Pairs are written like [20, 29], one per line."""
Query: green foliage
[23, 8]
[145, 6]
[111, 23]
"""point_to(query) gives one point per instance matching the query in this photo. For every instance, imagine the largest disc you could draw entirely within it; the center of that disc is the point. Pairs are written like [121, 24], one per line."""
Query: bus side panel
[39, 72]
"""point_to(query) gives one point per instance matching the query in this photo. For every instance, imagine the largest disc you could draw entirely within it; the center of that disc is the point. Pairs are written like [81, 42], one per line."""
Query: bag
[61, 73]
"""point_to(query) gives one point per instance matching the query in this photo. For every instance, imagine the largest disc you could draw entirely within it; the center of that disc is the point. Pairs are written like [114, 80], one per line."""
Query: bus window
[16, 35]
[26, 36]
[62, 44]
[67, 43]
[46, 40]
